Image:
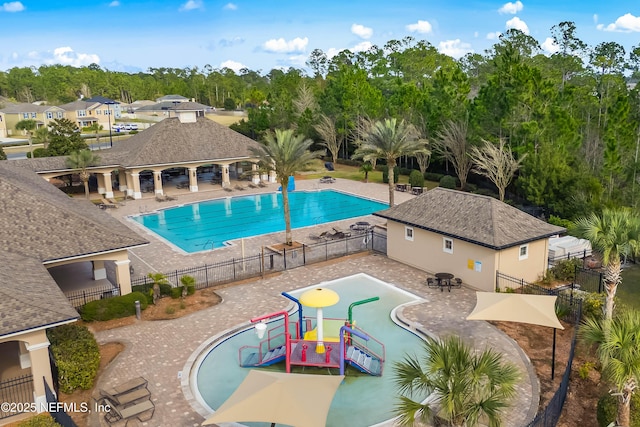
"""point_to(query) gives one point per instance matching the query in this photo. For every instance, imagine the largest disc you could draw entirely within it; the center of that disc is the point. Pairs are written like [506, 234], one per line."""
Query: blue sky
[132, 35]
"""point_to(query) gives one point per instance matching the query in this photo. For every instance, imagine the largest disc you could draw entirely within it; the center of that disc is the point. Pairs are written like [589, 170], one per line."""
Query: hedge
[416, 179]
[77, 356]
[431, 176]
[113, 308]
[448, 181]
[41, 420]
[385, 174]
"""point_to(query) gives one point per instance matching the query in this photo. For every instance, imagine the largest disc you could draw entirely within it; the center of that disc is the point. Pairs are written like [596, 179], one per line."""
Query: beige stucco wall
[475, 265]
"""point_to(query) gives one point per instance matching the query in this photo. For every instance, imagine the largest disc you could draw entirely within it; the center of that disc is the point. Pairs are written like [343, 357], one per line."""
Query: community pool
[361, 400]
[214, 223]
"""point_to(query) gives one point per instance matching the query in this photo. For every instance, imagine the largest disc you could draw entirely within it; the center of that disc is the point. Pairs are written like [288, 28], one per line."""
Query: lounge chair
[262, 184]
[342, 232]
[360, 227]
[129, 400]
[143, 411]
[240, 187]
[327, 180]
[104, 204]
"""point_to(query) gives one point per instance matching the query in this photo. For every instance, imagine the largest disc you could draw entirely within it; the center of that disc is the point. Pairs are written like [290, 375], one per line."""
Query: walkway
[159, 350]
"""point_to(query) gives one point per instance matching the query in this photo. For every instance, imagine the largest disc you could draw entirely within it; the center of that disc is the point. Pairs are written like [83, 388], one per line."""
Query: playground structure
[314, 341]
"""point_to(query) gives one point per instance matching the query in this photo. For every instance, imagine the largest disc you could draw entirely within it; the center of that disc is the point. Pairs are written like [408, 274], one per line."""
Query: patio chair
[432, 283]
[456, 283]
[107, 204]
[327, 180]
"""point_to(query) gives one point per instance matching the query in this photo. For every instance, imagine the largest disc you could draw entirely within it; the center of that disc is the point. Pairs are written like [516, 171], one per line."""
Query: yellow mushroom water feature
[319, 298]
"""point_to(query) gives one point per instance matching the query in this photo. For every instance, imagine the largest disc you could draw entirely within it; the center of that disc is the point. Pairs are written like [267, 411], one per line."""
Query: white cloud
[67, 56]
[511, 8]
[298, 60]
[549, 45]
[114, 3]
[517, 24]
[361, 31]
[233, 65]
[230, 6]
[333, 51]
[595, 18]
[421, 27]
[627, 23]
[476, 34]
[454, 48]
[283, 46]
[494, 35]
[361, 47]
[192, 5]
[231, 42]
[14, 6]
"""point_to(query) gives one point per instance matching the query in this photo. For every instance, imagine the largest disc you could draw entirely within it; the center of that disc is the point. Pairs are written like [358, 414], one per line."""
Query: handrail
[300, 331]
[342, 345]
[364, 301]
[287, 334]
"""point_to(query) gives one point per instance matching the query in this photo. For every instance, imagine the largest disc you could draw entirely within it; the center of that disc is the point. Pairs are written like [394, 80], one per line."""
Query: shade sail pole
[553, 354]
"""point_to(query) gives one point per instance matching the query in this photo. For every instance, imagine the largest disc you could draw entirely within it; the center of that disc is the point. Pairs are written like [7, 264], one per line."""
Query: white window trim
[526, 255]
[407, 231]
[444, 245]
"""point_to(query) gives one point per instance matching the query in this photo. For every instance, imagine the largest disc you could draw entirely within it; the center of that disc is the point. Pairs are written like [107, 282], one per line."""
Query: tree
[82, 160]
[285, 154]
[41, 136]
[451, 143]
[157, 279]
[614, 234]
[366, 168]
[3, 155]
[64, 138]
[619, 354]
[326, 128]
[389, 140]
[28, 126]
[496, 163]
[465, 386]
[96, 128]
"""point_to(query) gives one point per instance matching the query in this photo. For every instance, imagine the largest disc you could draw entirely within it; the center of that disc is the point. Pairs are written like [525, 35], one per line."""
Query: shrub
[165, 289]
[176, 292]
[190, 283]
[592, 302]
[416, 179]
[77, 356]
[348, 162]
[560, 222]
[229, 104]
[607, 410]
[385, 174]
[566, 269]
[585, 369]
[448, 181]
[170, 309]
[113, 308]
[431, 176]
[41, 420]
[405, 171]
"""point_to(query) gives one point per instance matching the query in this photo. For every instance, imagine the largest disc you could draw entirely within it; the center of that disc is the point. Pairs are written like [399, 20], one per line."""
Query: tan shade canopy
[300, 400]
[319, 297]
[532, 309]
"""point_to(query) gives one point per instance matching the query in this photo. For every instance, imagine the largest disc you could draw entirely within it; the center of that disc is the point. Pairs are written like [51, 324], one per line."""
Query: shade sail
[532, 309]
[294, 399]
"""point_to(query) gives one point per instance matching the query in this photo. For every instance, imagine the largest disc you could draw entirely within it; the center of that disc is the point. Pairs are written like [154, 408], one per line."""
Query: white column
[123, 276]
[122, 182]
[108, 187]
[193, 180]
[100, 179]
[133, 189]
[225, 176]
[157, 182]
[99, 271]
[255, 178]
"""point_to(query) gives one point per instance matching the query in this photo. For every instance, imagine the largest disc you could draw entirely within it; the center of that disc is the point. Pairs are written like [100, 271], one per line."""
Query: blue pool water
[210, 224]
[361, 400]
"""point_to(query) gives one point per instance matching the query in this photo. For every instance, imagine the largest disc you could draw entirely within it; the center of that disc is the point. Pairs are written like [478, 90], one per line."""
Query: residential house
[14, 113]
[468, 235]
[87, 112]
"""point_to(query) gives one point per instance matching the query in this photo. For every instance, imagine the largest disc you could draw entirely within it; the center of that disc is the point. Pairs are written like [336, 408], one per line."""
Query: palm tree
[28, 126]
[614, 234]
[41, 136]
[82, 160]
[96, 128]
[285, 154]
[619, 354]
[465, 387]
[366, 168]
[389, 139]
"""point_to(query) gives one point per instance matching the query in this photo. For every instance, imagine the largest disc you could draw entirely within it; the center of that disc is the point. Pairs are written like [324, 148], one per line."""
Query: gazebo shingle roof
[41, 222]
[481, 220]
[172, 141]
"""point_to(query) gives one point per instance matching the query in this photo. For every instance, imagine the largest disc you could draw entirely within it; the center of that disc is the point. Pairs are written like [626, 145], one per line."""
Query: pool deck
[159, 350]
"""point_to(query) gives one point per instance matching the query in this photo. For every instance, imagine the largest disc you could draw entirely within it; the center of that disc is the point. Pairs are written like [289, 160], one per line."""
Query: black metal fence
[83, 296]
[570, 309]
[18, 392]
[583, 254]
[57, 410]
[589, 280]
[270, 261]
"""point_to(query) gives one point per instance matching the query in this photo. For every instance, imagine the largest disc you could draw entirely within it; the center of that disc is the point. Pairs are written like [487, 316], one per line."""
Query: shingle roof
[27, 108]
[79, 105]
[171, 98]
[171, 141]
[39, 221]
[30, 299]
[471, 217]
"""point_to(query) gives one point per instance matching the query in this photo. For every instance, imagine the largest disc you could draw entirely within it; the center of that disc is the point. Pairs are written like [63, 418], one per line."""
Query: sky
[134, 36]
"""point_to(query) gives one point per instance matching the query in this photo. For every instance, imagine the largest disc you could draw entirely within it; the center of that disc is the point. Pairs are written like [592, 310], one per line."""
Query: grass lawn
[628, 292]
[225, 120]
[353, 173]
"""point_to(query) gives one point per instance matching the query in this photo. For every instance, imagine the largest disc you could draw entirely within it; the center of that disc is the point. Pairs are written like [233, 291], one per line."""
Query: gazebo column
[157, 182]
[100, 179]
[193, 180]
[108, 187]
[255, 177]
[40, 367]
[123, 276]
[122, 182]
[133, 185]
[225, 176]
[272, 176]
[99, 272]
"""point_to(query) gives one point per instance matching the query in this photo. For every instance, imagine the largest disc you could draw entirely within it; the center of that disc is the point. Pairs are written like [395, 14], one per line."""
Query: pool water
[361, 400]
[214, 223]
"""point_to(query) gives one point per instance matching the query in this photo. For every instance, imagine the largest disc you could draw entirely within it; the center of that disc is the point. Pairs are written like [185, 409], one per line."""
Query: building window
[81, 113]
[25, 116]
[49, 115]
[408, 233]
[98, 112]
[447, 245]
[34, 115]
[60, 114]
[524, 252]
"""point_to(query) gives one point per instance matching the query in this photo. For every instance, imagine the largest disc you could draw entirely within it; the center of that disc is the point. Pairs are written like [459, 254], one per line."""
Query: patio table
[444, 280]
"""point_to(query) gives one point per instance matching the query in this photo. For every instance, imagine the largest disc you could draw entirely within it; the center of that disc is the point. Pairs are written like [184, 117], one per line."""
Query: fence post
[206, 274]
[234, 268]
[326, 251]
[600, 287]
[304, 255]
[284, 255]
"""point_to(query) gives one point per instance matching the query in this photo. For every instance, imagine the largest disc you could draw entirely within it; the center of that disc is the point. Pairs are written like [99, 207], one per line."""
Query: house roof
[101, 100]
[30, 299]
[25, 107]
[172, 98]
[79, 105]
[171, 141]
[481, 220]
[42, 222]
